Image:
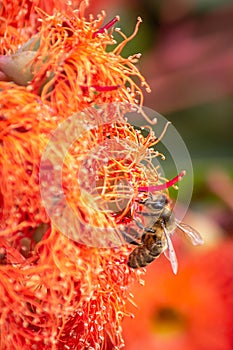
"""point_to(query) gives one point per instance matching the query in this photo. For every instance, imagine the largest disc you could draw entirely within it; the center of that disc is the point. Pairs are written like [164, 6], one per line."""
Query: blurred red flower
[192, 311]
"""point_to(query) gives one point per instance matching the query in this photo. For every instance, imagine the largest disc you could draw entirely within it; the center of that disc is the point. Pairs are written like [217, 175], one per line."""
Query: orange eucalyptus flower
[25, 124]
[190, 311]
[66, 62]
[58, 293]
[19, 20]
[68, 297]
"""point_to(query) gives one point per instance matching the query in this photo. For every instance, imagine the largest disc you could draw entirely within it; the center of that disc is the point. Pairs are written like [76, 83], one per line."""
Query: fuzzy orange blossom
[64, 281]
[57, 293]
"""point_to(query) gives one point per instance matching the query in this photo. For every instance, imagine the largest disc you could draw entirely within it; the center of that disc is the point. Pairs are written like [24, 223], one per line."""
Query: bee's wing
[193, 234]
[170, 253]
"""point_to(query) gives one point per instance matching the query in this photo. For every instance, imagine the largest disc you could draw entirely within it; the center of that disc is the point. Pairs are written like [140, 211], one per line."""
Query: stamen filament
[102, 88]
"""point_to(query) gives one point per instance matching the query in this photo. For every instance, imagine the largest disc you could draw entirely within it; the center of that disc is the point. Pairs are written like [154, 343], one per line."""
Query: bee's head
[157, 202]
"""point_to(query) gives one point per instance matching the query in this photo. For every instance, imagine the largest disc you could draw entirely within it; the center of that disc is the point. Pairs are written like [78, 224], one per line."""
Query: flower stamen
[107, 26]
[162, 187]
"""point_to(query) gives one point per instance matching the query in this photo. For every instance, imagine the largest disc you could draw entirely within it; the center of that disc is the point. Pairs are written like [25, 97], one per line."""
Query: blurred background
[187, 58]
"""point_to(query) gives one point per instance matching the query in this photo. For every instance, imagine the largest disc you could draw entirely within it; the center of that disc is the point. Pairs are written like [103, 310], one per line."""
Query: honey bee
[155, 238]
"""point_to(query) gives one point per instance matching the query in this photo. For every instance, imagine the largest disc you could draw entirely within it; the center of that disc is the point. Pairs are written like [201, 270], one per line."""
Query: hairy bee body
[155, 239]
[152, 245]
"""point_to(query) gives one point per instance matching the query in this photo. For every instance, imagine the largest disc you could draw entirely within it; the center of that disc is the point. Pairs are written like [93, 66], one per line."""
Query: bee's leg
[129, 238]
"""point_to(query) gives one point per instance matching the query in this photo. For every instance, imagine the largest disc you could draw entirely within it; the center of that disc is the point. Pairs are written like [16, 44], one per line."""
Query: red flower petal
[187, 312]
